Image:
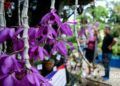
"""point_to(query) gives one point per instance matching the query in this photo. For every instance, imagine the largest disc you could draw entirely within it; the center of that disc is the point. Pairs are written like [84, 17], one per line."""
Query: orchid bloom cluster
[13, 73]
[45, 41]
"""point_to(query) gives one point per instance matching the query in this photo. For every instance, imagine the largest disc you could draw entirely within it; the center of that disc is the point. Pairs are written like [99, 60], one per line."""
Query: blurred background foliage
[105, 16]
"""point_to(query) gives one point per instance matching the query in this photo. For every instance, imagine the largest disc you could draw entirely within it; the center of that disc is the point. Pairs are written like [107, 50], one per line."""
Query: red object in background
[61, 67]
[7, 5]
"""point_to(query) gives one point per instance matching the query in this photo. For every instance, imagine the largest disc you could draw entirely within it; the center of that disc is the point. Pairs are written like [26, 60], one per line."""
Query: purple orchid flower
[18, 31]
[65, 28]
[36, 79]
[9, 64]
[32, 36]
[51, 33]
[57, 18]
[45, 33]
[51, 17]
[18, 44]
[31, 77]
[48, 32]
[46, 18]
[70, 44]
[32, 33]
[13, 73]
[38, 52]
[60, 47]
[41, 35]
[6, 34]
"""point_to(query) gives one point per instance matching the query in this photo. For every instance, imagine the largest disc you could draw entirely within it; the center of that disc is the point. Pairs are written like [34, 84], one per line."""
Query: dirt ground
[75, 78]
[75, 74]
[114, 77]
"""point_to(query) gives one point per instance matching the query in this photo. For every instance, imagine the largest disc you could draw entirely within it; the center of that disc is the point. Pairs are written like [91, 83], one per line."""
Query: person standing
[91, 48]
[82, 38]
[108, 42]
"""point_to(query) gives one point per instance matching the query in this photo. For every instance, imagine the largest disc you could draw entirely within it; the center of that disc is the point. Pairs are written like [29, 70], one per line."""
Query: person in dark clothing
[108, 42]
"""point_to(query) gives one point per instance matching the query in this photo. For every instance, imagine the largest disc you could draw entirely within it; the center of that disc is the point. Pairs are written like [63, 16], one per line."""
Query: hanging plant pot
[48, 66]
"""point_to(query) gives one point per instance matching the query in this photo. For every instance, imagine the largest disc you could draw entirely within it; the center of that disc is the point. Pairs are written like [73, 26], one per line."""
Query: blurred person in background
[91, 48]
[108, 42]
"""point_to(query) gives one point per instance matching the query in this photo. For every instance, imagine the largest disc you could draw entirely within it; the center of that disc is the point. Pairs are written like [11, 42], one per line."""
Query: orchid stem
[17, 52]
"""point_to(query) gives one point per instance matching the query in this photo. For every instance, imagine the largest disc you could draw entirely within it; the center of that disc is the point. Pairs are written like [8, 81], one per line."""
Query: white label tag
[39, 67]
[55, 68]
[46, 58]
[58, 57]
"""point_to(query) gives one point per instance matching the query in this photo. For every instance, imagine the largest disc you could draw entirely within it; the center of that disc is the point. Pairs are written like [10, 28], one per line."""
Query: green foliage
[116, 49]
[115, 14]
[117, 8]
[72, 39]
[102, 26]
[100, 13]
[116, 30]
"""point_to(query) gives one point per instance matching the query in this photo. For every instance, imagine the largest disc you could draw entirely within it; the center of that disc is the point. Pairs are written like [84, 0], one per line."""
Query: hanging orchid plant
[37, 44]
[48, 33]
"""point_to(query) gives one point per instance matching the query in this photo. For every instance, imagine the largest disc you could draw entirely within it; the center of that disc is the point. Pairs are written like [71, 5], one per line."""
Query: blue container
[115, 61]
